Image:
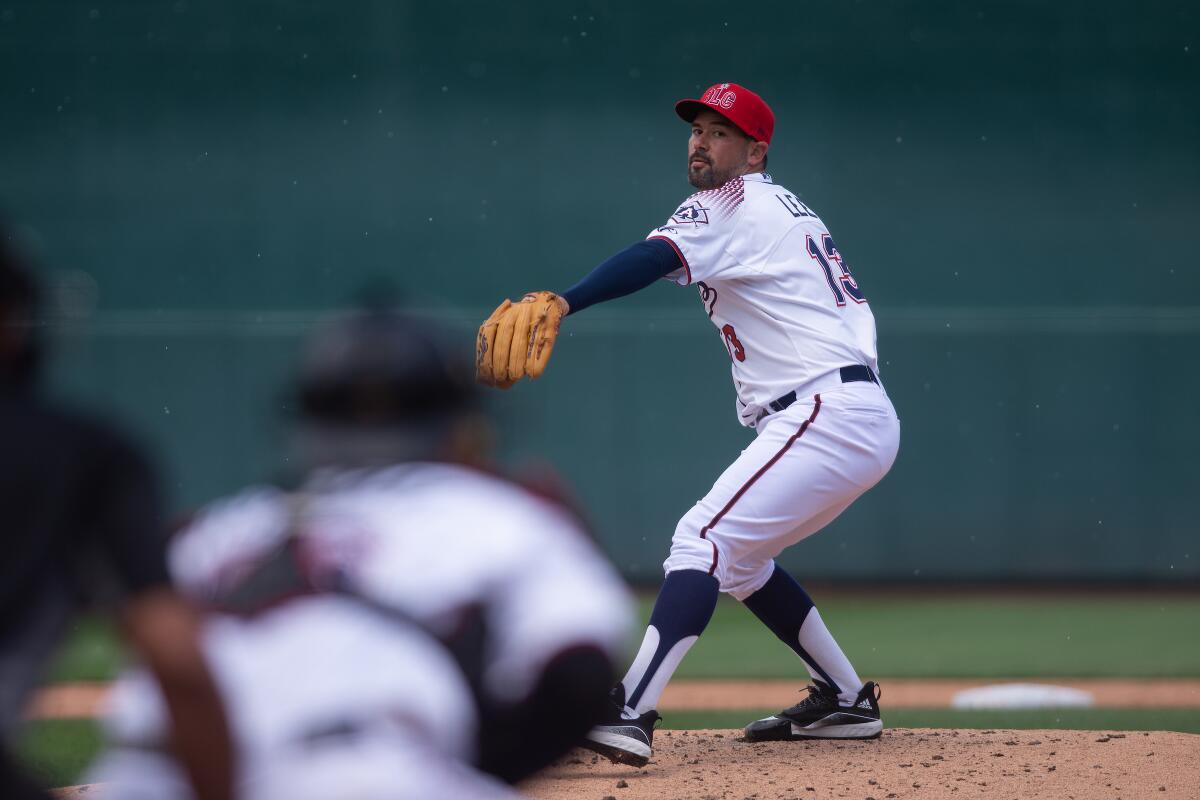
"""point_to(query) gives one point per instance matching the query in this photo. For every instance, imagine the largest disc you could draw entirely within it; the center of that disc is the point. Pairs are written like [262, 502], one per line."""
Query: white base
[1022, 695]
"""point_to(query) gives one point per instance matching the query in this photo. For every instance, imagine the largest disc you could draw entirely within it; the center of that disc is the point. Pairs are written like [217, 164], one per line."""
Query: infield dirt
[902, 764]
[918, 763]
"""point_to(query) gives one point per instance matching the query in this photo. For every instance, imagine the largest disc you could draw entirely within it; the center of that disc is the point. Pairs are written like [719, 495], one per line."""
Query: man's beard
[707, 177]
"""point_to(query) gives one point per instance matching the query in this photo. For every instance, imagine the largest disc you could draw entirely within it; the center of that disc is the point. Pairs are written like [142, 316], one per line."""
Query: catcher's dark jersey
[76, 501]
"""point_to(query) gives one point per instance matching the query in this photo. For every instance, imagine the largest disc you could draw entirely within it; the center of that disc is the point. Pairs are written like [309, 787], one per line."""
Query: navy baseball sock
[684, 606]
[785, 608]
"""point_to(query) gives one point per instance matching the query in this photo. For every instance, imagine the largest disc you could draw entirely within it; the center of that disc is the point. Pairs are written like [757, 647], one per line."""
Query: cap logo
[718, 96]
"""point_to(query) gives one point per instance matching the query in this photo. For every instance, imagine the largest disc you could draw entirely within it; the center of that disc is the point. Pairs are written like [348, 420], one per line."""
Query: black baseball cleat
[819, 716]
[620, 739]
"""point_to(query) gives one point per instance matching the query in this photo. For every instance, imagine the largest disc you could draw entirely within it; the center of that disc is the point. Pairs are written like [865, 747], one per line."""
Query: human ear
[758, 151]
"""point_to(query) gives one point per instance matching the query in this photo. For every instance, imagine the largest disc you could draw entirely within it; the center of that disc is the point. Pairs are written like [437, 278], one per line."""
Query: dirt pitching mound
[917, 763]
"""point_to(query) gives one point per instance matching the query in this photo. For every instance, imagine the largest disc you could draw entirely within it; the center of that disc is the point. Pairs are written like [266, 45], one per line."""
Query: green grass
[91, 653]
[1186, 720]
[55, 752]
[970, 636]
[929, 636]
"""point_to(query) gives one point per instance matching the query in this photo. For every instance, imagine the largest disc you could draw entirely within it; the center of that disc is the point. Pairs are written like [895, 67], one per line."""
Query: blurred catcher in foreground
[402, 623]
[81, 512]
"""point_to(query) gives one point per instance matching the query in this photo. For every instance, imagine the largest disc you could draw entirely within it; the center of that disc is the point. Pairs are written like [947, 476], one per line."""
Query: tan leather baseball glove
[516, 340]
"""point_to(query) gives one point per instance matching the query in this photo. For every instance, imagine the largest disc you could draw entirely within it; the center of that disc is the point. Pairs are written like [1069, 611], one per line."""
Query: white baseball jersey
[431, 539]
[774, 284]
[325, 698]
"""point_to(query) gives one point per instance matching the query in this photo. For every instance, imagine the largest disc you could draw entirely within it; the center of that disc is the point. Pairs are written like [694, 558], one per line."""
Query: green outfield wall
[1016, 186]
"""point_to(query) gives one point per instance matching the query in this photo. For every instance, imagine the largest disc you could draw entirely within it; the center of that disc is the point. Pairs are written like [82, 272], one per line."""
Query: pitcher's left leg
[684, 606]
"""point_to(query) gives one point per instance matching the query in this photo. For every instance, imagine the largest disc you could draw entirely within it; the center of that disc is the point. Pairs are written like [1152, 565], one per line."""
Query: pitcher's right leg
[839, 705]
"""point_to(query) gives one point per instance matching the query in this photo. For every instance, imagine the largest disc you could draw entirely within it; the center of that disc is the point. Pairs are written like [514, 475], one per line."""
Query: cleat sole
[618, 749]
[786, 731]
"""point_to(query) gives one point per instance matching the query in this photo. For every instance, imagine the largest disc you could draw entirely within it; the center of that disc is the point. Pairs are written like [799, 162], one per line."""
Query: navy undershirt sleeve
[634, 268]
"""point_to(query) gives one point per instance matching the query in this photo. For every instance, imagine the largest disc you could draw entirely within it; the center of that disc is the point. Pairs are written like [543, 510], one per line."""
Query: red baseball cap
[749, 112]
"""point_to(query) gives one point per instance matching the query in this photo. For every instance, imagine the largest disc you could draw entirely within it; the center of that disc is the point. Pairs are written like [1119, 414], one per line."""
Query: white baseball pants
[808, 463]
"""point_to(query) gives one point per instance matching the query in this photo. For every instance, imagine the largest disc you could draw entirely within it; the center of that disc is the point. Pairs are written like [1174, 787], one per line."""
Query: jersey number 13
[842, 283]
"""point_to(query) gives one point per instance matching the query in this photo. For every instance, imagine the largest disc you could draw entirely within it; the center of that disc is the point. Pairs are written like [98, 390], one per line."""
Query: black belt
[858, 372]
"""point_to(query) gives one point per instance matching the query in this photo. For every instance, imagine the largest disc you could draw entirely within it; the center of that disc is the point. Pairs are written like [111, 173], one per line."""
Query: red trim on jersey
[687, 269]
[725, 198]
[762, 471]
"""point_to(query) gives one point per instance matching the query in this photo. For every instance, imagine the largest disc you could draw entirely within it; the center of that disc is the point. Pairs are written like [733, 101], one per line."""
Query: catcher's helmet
[379, 387]
[382, 368]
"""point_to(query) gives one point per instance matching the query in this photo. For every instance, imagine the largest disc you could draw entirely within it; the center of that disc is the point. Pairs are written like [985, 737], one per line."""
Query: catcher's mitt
[517, 338]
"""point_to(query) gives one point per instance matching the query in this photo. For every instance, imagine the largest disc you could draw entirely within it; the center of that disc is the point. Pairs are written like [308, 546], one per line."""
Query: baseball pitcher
[801, 342]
